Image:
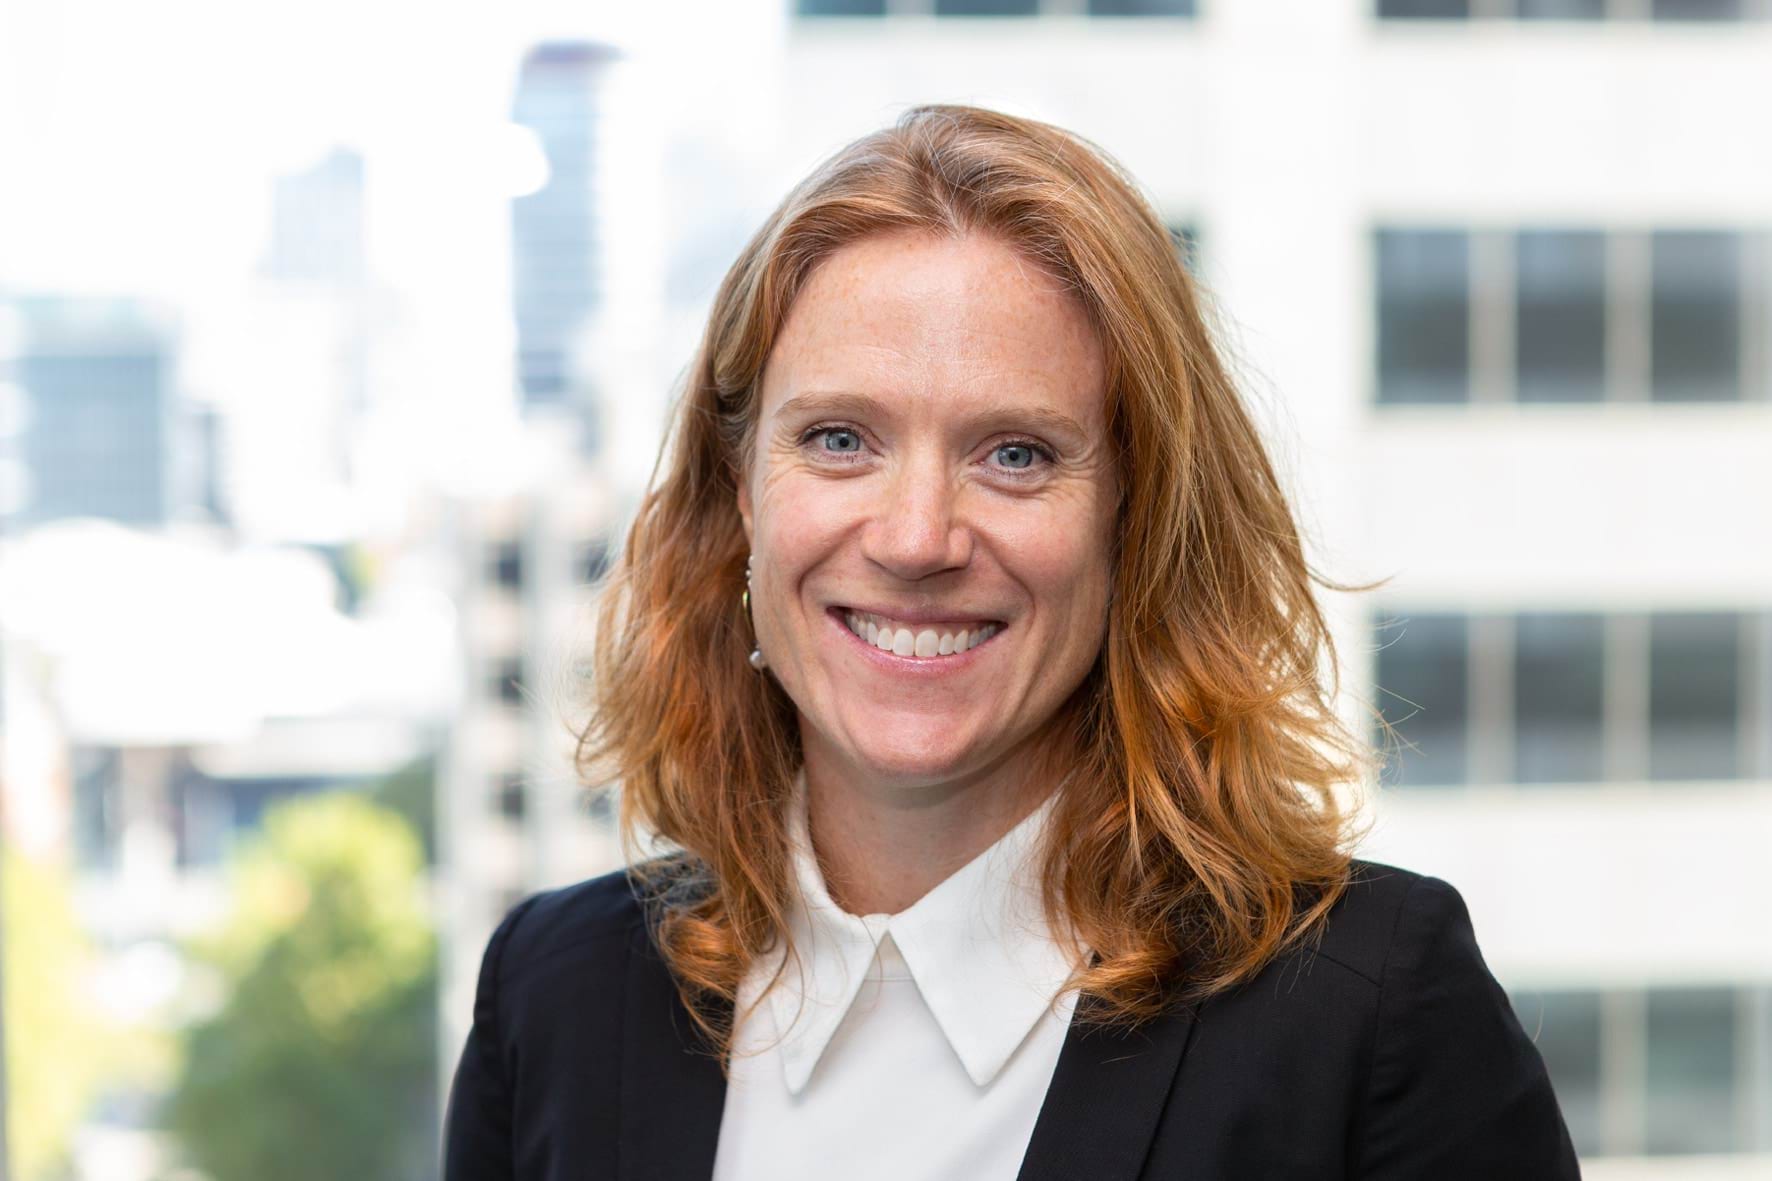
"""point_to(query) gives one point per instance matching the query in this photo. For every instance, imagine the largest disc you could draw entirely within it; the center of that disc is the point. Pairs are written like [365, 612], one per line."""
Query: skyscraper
[556, 283]
[316, 232]
[98, 431]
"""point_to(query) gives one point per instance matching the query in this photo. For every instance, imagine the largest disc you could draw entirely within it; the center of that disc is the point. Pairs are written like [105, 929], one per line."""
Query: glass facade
[1695, 316]
[1424, 315]
[841, 8]
[1574, 710]
[1586, 10]
[1424, 695]
[98, 413]
[1580, 329]
[1424, 9]
[1580, 10]
[1141, 7]
[987, 7]
[554, 248]
[1559, 691]
[1695, 695]
[1560, 315]
[1568, 1031]
[1698, 10]
[1692, 1059]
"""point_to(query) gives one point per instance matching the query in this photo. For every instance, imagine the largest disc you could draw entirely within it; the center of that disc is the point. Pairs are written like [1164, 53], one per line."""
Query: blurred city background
[336, 341]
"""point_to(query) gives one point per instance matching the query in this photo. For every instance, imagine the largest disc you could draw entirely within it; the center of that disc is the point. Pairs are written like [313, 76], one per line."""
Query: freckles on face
[929, 504]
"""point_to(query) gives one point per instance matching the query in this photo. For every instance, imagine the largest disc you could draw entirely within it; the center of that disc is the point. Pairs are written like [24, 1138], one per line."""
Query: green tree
[56, 1054]
[412, 792]
[320, 1063]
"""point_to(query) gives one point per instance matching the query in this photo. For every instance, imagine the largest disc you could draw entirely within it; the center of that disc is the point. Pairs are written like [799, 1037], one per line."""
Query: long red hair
[1203, 826]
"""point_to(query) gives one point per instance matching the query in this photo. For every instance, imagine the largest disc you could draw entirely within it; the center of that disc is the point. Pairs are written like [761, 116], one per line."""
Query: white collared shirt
[917, 1045]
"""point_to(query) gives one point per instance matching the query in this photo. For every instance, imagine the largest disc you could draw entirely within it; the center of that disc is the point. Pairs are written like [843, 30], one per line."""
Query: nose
[916, 530]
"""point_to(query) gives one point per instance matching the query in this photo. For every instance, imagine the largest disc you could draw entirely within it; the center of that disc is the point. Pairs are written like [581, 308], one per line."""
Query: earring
[757, 661]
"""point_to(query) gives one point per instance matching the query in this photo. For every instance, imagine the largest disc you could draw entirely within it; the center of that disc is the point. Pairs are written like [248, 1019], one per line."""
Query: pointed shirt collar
[977, 945]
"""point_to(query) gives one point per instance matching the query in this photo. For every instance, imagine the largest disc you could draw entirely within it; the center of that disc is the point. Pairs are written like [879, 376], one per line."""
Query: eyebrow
[1035, 418]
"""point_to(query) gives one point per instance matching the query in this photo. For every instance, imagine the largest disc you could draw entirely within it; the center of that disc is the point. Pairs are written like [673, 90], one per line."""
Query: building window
[1658, 1071]
[1424, 316]
[542, 373]
[512, 796]
[1560, 315]
[987, 8]
[1621, 10]
[1424, 695]
[599, 803]
[1571, 697]
[504, 566]
[1424, 9]
[1697, 10]
[1690, 1070]
[1185, 237]
[841, 8]
[1570, 315]
[1566, 1028]
[1695, 665]
[1559, 698]
[1695, 316]
[593, 559]
[1141, 7]
[507, 680]
[1563, 10]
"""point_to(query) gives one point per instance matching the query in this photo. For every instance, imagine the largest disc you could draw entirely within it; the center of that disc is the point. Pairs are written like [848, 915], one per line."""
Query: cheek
[1064, 564]
[796, 528]
[1077, 588]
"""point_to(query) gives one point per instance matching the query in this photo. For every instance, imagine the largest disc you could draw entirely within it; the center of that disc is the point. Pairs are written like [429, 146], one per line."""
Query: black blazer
[1387, 1052]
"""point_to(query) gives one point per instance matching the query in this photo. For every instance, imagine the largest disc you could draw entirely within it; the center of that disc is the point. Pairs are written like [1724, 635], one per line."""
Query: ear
[742, 479]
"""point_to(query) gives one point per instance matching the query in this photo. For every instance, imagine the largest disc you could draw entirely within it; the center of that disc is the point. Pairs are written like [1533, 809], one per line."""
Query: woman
[966, 655]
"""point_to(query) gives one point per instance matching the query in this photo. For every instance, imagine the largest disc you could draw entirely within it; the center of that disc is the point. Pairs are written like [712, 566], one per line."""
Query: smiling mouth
[920, 641]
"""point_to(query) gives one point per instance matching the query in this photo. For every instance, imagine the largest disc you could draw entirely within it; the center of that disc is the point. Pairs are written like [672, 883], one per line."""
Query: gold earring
[757, 661]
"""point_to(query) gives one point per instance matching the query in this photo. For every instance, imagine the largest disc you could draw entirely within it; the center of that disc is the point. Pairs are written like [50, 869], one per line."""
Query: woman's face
[930, 503]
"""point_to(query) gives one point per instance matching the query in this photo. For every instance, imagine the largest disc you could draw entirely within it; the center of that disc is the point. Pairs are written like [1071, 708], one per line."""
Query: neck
[883, 844]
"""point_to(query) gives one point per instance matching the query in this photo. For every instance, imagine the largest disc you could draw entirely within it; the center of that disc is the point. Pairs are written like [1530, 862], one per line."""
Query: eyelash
[1039, 449]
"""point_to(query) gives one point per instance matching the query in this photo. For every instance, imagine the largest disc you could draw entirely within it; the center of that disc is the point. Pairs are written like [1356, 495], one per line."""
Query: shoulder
[556, 952]
[1451, 1085]
[547, 1023]
[1362, 927]
[577, 929]
[559, 921]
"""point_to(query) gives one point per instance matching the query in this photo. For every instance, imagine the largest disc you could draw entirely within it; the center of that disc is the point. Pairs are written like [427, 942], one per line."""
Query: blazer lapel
[1107, 1092]
[672, 1090]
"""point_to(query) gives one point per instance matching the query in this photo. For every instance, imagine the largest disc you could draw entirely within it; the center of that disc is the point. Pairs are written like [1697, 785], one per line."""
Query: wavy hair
[1199, 832]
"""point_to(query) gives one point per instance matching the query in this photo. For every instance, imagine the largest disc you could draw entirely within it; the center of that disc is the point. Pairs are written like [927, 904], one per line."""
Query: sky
[138, 144]
[136, 140]
[139, 139]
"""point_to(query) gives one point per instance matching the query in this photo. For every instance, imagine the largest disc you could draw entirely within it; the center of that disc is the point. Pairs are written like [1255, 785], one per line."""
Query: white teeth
[923, 643]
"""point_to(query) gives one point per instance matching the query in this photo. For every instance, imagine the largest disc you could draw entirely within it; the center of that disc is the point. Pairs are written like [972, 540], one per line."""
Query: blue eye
[847, 440]
[1019, 455]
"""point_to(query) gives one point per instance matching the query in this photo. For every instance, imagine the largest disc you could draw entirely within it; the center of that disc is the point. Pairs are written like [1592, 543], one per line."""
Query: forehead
[917, 319]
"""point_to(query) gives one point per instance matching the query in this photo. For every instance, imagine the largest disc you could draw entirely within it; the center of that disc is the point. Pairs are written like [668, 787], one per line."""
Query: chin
[914, 755]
